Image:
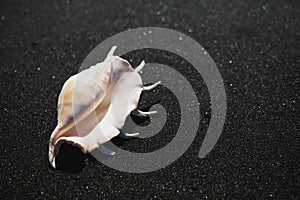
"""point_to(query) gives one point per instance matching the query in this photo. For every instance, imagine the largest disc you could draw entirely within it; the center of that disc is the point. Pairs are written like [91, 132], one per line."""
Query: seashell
[93, 105]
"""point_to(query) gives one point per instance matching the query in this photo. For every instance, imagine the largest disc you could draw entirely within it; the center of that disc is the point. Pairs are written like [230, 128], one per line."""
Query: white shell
[96, 100]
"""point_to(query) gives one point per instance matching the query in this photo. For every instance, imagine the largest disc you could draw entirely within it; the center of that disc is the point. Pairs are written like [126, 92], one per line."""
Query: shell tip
[52, 162]
[150, 87]
[140, 67]
[51, 158]
[112, 51]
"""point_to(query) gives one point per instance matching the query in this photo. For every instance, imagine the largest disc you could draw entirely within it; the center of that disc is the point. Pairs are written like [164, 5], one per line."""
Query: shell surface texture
[93, 105]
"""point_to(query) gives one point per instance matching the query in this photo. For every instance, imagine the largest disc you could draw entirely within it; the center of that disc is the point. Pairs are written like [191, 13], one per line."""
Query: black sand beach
[255, 45]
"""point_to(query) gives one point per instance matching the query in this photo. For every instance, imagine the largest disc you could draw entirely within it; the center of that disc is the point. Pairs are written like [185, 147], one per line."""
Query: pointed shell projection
[93, 104]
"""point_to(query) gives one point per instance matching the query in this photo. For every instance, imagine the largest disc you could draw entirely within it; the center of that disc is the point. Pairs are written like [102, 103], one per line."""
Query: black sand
[256, 48]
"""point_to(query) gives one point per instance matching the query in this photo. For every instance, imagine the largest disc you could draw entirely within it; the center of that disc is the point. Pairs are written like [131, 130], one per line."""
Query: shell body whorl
[93, 105]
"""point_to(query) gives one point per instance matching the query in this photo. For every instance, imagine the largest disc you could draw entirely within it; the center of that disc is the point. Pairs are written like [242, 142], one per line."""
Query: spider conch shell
[93, 104]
